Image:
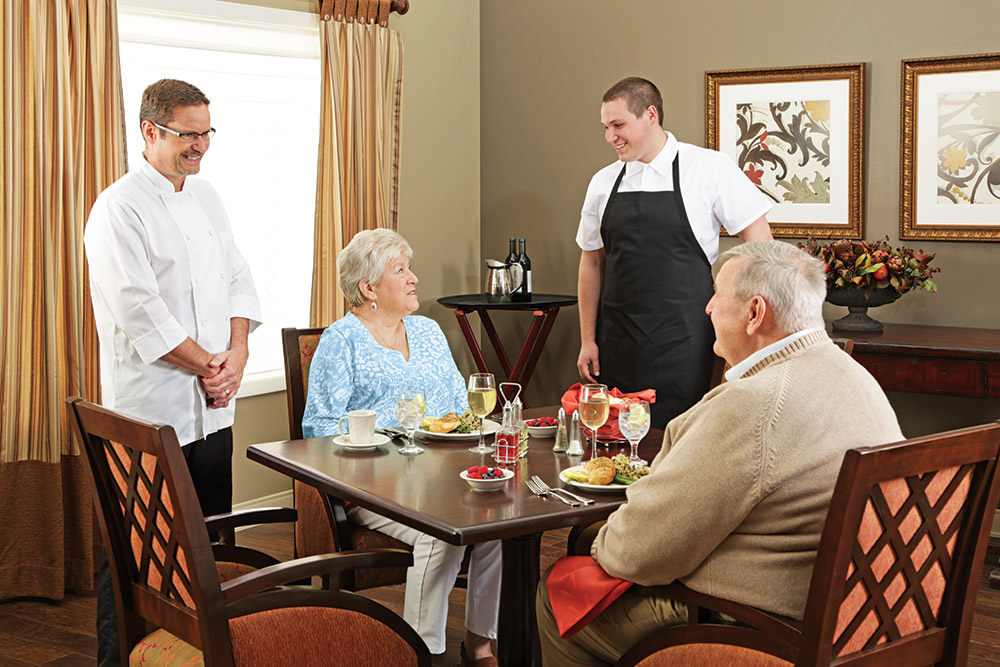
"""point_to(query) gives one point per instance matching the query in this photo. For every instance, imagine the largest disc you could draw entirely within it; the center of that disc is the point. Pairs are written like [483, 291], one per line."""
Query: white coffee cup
[361, 424]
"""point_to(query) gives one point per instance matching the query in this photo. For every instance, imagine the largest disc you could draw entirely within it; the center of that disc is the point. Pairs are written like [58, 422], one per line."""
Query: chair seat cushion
[711, 655]
[366, 538]
[291, 637]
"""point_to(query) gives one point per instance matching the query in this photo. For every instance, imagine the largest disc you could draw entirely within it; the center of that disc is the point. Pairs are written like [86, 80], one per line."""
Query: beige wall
[543, 78]
[439, 195]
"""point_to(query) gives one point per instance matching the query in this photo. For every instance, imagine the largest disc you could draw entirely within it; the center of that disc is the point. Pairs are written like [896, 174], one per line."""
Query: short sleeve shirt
[716, 193]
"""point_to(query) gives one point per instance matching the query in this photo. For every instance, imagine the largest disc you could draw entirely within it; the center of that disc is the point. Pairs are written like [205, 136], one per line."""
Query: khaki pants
[627, 620]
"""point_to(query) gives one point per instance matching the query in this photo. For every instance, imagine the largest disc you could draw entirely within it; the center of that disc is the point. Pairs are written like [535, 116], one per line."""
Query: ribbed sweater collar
[795, 347]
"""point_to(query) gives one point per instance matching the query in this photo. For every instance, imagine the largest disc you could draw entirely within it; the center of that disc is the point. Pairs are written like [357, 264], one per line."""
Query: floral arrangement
[873, 265]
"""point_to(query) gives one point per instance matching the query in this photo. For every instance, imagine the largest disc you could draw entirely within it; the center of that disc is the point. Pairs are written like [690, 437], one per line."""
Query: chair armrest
[782, 628]
[226, 553]
[302, 568]
[225, 524]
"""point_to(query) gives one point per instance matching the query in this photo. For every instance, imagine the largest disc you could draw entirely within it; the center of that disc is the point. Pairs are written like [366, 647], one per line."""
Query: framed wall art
[798, 134]
[950, 140]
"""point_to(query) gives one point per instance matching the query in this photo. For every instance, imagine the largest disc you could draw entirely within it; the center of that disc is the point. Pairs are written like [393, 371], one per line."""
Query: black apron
[652, 330]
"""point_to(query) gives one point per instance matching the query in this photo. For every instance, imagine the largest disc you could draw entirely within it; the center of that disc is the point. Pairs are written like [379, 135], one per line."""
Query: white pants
[432, 576]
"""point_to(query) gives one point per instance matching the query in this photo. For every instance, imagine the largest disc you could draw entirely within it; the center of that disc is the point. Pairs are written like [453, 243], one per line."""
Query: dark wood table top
[927, 340]
[479, 302]
[426, 492]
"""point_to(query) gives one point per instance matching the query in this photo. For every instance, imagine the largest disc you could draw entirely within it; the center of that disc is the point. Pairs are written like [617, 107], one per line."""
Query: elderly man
[736, 498]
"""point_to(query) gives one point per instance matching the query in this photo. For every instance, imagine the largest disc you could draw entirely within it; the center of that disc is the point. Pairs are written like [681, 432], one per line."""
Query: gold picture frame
[950, 149]
[798, 134]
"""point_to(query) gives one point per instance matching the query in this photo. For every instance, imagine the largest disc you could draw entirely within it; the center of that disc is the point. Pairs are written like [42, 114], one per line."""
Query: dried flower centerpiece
[865, 274]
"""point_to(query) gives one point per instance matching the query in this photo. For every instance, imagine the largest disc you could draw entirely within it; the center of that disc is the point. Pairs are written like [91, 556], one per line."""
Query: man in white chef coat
[173, 301]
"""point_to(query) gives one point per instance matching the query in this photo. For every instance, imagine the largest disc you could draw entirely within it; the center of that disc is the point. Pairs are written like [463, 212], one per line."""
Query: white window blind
[260, 68]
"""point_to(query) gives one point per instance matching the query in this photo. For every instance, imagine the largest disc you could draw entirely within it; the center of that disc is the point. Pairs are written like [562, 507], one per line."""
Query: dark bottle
[523, 292]
[512, 255]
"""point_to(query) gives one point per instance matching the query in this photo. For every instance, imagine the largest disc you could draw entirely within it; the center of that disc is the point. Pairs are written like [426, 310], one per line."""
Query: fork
[539, 491]
[542, 485]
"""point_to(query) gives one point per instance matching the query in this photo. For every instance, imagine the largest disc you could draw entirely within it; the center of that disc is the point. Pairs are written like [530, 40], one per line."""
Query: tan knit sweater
[736, 498]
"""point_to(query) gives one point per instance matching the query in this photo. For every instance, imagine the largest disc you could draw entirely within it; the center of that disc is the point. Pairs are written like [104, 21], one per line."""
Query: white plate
[345, 442]
[608, 488]
[489, 428]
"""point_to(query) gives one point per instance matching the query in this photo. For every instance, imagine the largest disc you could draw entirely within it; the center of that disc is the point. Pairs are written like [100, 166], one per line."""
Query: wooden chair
[896, 571]
[323, 526]
[164, 573]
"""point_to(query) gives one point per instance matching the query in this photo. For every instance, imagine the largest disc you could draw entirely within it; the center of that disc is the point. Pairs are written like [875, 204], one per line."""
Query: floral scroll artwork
[950, 172]
[797, 135]
[784, 148]
[969, 148]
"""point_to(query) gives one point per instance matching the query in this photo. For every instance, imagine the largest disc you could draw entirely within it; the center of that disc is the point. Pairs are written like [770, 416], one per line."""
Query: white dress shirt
[164, 267]
[716, 193]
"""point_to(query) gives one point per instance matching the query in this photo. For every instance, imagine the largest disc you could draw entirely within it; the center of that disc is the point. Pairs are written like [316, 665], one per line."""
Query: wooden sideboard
[945, 361]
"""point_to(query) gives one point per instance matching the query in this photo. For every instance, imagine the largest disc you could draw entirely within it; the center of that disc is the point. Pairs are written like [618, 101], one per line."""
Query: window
[260, 68]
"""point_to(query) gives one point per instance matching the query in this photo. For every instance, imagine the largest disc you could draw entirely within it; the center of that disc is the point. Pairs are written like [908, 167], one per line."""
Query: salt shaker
[562, 439]
[575, 446]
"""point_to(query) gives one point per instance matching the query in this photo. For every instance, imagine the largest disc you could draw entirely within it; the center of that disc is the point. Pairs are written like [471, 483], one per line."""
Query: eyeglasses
[188, 137]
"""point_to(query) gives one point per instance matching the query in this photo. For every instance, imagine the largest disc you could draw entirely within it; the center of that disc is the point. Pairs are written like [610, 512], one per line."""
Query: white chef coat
[164, 267]
[716, 193]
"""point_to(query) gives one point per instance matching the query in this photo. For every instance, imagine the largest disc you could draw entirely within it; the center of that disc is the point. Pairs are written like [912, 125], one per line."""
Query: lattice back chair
[896, 572]
[164, 572]
[323, 526]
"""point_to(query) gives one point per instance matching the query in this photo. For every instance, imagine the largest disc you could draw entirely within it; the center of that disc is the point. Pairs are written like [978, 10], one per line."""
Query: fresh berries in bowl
[482, 479]
[543, 427]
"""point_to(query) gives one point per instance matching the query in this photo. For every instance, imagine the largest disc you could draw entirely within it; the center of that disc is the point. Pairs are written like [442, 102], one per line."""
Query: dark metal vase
[858, 304]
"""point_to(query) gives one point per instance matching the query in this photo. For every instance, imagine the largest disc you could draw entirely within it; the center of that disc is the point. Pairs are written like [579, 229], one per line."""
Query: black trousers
[210, 461]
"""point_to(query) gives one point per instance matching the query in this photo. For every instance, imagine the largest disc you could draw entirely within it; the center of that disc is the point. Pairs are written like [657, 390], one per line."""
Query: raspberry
[483, 470]
[472, 470]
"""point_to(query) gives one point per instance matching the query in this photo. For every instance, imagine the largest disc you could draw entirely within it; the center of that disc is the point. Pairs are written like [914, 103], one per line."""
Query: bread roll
[600, 471]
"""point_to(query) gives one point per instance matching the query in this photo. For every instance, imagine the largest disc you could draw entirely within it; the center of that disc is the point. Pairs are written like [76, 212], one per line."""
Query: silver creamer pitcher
[501, 280]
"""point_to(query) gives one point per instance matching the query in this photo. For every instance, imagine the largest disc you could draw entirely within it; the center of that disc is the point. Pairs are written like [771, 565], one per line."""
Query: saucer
[345, 442]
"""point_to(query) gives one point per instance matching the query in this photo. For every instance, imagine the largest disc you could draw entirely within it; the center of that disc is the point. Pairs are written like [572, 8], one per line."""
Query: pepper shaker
[562, 439]
[575, 446]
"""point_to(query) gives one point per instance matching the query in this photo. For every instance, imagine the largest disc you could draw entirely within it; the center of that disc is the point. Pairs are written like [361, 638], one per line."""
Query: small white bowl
[484, 485]
[542, 431]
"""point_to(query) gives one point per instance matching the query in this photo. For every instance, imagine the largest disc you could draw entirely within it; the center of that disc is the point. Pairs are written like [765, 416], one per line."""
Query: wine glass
[482, 400]
[410, 408]
[594, 408]
[633, 420]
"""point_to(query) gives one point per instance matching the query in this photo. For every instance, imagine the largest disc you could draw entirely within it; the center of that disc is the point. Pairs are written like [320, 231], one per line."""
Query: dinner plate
[345, 442]
[606, 488]
[489, 428]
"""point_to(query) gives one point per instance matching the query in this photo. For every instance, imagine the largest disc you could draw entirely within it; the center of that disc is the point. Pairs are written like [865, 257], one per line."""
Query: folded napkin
[571, 401]
[579, 590]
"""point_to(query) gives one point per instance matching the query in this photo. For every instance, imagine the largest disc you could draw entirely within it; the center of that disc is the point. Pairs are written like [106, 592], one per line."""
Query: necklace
[373, 328]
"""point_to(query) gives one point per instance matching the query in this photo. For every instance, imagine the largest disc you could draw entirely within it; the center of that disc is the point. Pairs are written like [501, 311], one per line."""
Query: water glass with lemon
[633, 420]
[410, 408]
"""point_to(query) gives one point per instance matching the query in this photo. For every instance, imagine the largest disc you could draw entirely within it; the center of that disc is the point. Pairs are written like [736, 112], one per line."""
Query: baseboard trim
[280, 499]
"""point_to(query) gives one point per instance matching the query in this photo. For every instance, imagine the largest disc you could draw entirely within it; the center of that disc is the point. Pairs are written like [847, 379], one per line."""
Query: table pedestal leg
[517, 641]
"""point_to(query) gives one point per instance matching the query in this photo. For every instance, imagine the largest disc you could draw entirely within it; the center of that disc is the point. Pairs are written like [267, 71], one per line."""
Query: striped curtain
[62, 139]
[360, 112]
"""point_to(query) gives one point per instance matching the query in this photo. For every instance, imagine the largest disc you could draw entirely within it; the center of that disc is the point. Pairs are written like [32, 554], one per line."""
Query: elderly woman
[362, 362]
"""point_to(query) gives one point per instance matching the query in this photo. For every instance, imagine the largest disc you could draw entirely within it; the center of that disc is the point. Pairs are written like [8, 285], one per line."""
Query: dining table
[426, 492]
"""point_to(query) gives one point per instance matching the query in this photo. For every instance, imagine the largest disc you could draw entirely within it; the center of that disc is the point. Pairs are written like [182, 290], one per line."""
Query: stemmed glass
[410, 408]
[633, 420]
[594, 408]
[482, 400]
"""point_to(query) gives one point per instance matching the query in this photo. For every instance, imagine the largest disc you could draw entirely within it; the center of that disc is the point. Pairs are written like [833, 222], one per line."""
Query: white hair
[790, 280]
[365, 258]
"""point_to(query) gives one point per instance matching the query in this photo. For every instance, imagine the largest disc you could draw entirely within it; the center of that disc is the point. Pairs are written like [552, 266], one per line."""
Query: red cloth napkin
[571, 401]
[579, 590]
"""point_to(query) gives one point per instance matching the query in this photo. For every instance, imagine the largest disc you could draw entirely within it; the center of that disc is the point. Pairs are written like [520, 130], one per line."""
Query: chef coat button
[211, 233]
[222, 275]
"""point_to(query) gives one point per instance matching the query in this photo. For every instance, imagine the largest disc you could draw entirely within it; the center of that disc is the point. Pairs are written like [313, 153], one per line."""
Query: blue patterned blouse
[352, 371]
